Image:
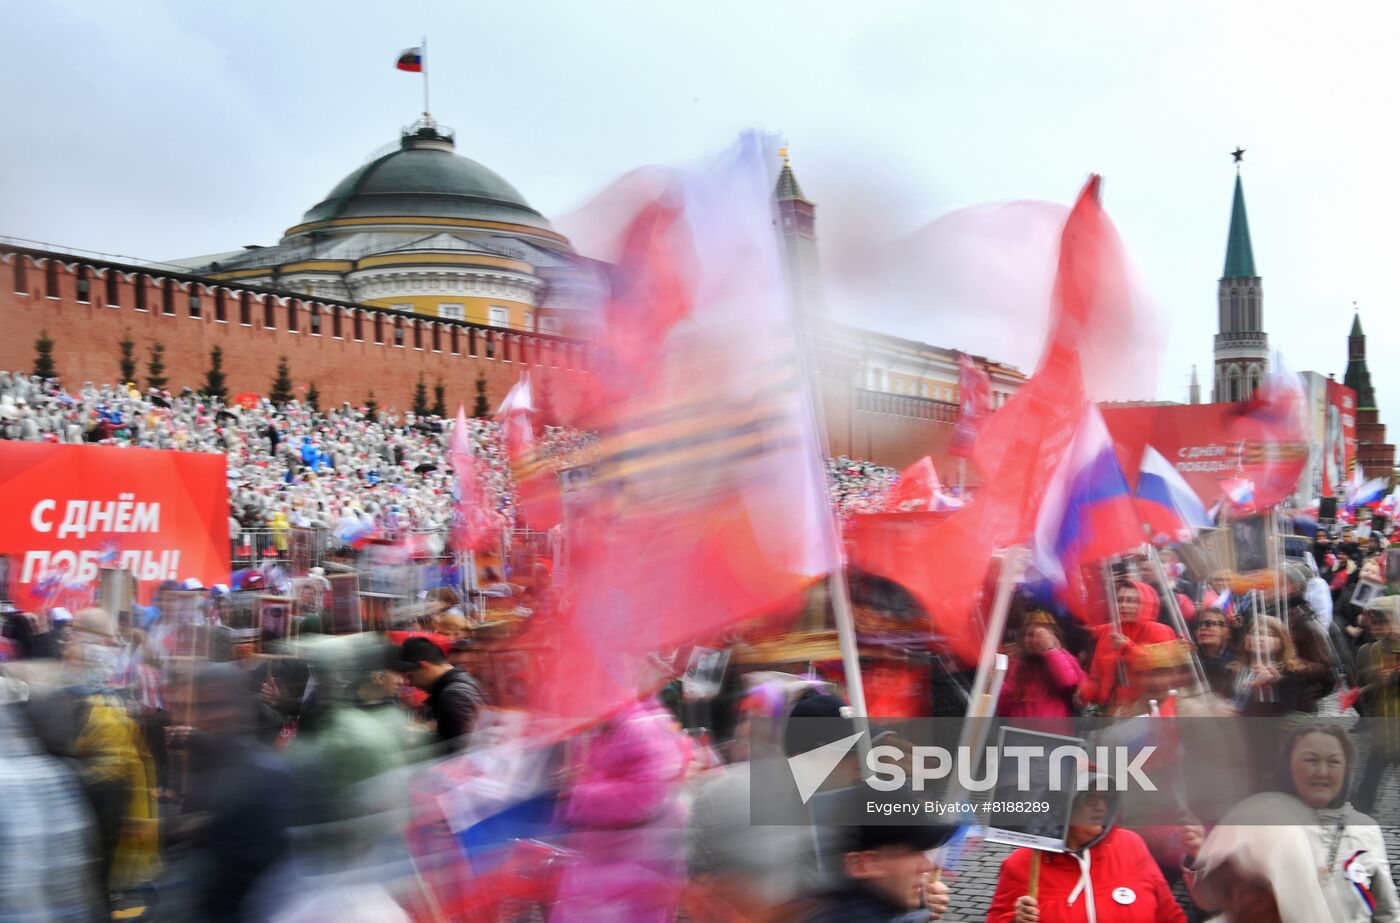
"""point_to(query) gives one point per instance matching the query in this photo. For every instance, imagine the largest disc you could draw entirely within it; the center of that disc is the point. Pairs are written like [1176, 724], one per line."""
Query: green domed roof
[425, 178]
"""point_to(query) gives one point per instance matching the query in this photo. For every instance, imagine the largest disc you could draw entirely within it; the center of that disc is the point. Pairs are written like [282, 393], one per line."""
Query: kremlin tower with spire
[1241, 346]
[1373, 453]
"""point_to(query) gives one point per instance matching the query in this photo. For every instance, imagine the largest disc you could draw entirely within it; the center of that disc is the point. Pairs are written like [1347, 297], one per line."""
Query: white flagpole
[424, 59]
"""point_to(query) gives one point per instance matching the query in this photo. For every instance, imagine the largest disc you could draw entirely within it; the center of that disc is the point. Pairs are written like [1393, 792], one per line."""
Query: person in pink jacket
[1043, 675]
[628, 823]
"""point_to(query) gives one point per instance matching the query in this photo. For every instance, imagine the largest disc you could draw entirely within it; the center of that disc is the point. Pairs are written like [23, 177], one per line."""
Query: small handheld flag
[411, 59]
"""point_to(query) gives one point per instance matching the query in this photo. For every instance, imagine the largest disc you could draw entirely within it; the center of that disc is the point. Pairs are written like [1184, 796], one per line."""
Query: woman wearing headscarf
[1109, 683]
[1325, 859]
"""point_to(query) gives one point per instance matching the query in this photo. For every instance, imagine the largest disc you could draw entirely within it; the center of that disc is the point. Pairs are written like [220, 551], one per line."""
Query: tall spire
[1358, 376]
[787, 189]
[1241, 346]
[797, 230]
[1239, 255]
[1195, 390]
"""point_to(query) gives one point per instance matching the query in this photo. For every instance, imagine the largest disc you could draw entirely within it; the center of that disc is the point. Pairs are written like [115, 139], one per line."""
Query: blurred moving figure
[51, 867]
[231, 833]
[623, 805]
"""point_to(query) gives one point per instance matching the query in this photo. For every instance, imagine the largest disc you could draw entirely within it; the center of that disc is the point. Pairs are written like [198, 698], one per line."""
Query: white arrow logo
[810, 769]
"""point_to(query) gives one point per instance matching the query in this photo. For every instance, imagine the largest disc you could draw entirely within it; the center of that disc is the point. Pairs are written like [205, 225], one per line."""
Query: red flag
[918, 490]
[536, 482]
[707, 503]
[473, 524]
[1273, 433]
[1023, 443]
[974, 404]
[650, 292]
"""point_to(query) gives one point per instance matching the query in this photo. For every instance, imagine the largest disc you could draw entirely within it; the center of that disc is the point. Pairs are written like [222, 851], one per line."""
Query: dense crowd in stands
[298, 466]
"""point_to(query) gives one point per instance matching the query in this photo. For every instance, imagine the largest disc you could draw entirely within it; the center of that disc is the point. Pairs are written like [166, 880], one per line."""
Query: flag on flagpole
[704, 506]
[974, 404]
[1165, 502]
[537, 496]
[411, 60]
[1367, 493]
[1022, 445]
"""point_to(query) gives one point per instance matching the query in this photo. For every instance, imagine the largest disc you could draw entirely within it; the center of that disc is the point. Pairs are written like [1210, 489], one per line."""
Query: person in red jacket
[1107, 876]
[1110, 683]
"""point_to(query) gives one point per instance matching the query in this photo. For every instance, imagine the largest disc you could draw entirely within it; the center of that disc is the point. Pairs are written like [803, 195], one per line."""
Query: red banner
[68, 510]
[1338, 439]
[1207, 443]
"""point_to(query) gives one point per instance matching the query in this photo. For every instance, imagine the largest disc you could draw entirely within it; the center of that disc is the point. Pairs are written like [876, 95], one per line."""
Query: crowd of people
[175, 761]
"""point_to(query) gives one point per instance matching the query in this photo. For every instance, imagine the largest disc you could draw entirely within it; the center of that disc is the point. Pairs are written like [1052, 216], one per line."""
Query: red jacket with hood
[1103, 686]
[1112, 880]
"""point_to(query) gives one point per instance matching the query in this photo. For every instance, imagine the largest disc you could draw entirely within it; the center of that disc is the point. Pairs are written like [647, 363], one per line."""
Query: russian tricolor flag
[411, 59]
[1165, 502]
[1088, 513]
[1368, 493]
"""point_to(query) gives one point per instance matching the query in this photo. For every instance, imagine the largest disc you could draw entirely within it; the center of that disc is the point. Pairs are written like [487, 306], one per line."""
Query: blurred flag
[1088, 512]
[473, 527]
[1165, 502]
[1238, 496]
[649, 293]
[536, 481]
[707, 503]
[919, 490]
[1274, 432]
[1368, 493]
[974, 404]
[411, 59]
[1022, 445]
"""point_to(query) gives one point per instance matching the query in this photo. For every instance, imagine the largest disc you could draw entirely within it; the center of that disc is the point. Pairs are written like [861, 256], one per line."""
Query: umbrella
[1303, 525]
[425, 468]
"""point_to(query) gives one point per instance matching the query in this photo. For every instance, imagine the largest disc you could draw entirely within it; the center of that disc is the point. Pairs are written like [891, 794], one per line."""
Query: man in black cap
[454, 697]
[884, 869]
[873, 871]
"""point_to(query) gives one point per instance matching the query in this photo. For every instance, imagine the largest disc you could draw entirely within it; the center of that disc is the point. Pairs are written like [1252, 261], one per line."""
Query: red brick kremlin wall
[88, 307]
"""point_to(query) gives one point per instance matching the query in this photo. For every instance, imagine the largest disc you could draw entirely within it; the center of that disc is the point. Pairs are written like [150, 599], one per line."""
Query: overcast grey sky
[170, 129]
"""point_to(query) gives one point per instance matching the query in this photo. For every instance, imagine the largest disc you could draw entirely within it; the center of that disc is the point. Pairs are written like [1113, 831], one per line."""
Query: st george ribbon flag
[537, 493]
[1022, 444]
[705, 504]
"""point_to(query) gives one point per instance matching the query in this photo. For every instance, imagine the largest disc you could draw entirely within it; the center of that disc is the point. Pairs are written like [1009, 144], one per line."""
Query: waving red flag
[707, 502]
[1023, 443]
